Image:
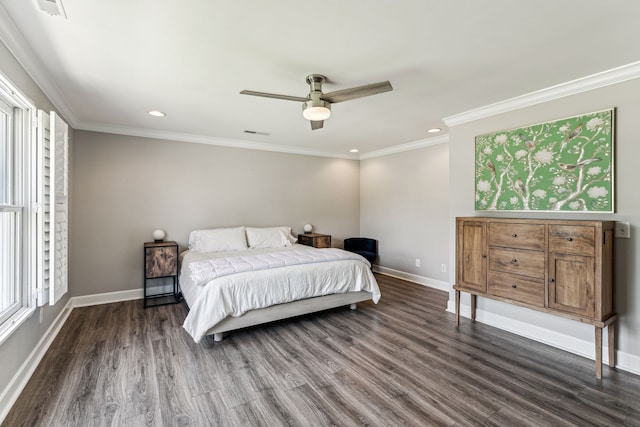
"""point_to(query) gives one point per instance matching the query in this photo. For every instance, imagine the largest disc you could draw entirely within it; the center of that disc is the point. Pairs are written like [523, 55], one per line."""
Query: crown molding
[210, 140]
[13, 39]
[583, 84]
[427, 142]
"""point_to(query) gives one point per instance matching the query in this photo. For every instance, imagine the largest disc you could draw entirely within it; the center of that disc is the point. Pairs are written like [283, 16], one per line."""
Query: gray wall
[125, 187]
[624, 97]
[404, 203]
[15, 350]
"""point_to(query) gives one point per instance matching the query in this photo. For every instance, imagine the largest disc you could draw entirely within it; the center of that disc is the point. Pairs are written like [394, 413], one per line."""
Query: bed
[233, 278]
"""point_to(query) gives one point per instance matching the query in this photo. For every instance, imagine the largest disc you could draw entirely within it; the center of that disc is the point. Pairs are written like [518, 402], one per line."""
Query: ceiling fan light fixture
[316, 107]
[316, 110]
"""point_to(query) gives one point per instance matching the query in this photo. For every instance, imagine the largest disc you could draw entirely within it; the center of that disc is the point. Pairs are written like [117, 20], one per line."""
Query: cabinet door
[471, 246]
[571, 284]
[161, 261]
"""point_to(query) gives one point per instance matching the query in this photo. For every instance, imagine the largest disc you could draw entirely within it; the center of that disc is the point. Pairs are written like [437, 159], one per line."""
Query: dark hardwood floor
[401, 362]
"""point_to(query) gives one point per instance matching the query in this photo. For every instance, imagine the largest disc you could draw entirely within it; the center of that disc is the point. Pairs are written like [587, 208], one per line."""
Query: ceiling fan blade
[317, 124]
[357, 92]
[273, 95]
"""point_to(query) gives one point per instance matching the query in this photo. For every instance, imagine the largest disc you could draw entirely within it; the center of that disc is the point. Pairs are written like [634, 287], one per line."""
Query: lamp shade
[158, 235]
[316, 113]
[308, 228]
[316, 110]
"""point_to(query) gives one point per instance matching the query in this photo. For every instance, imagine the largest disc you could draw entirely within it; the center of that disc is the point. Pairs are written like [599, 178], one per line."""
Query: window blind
[60, 186]
[53, 165]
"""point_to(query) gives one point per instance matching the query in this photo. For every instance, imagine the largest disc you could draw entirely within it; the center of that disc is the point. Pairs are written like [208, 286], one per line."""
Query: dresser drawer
[572, 239]
[517, 288]
[513, 235]
[517, 261]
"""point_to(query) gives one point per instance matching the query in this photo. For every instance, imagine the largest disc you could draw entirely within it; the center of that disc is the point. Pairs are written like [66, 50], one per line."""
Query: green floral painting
[564, 165]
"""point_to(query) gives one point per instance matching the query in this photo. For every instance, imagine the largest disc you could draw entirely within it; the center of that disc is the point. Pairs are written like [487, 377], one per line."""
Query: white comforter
[235, 294]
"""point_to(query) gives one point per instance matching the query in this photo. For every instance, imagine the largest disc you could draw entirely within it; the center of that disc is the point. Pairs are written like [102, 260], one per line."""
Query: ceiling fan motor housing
[315, 82]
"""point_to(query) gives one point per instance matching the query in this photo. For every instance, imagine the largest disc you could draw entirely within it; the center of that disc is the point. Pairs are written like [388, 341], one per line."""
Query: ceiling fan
[316, 107]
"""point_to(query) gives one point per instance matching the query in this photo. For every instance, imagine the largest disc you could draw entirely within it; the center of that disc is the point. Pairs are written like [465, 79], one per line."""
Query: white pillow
[218, 239]
[269, 237]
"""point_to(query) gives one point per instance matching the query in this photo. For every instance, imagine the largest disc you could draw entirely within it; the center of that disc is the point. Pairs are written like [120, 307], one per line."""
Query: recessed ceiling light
[353, 150]
[156, 113]
[434, 130]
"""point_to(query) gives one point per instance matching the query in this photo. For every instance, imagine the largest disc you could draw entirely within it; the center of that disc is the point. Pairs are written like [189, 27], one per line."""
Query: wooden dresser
[564, 268]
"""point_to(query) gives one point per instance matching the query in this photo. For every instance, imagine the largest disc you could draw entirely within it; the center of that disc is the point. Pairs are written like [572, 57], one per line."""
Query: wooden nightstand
[314, 239]
[160, 261]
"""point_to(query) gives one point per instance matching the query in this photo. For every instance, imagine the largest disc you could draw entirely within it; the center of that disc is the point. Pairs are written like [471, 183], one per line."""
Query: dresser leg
[598, 352]
[457, 308]
[473, 307]
[611, 329]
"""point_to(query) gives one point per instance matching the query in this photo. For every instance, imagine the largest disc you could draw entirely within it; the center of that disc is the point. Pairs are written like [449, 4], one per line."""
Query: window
[17, 221]
[33, 208]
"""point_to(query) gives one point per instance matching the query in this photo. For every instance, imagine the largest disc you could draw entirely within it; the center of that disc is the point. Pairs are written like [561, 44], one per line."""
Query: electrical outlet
[417, 262]
[623, 229]
[443, 268]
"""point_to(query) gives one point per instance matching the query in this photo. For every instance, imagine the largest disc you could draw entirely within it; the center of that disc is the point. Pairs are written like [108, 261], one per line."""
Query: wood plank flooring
[401, 362]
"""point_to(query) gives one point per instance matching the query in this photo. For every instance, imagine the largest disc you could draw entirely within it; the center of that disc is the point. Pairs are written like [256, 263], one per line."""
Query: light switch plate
[623, 229]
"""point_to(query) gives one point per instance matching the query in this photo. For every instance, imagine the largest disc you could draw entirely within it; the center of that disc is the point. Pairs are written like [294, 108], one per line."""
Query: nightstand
[160, 261]
[314, 239]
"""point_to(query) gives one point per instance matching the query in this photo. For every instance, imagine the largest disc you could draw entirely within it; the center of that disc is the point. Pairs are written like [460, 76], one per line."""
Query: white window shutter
[45, 215]
[53, 207]
[60, 207]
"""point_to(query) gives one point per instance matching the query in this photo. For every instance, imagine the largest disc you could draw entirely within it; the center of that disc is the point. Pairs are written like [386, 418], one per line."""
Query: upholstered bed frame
[284, 311]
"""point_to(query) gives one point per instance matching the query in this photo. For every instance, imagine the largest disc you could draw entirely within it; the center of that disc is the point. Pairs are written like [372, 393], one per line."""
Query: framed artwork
[562, 165]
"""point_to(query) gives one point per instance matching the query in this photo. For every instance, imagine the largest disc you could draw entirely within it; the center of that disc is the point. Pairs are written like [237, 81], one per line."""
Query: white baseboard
[421, 280]
[624, 361]
[19, 381]
[107, 298]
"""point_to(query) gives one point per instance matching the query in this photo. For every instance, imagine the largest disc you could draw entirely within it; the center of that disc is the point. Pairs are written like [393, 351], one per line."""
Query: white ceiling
[112, 61]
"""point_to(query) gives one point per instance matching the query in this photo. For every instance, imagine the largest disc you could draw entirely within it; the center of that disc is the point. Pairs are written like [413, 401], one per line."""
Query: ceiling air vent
[52, 7]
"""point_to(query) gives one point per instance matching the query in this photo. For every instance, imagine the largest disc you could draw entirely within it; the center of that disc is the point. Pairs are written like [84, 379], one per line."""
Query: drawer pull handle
[514, 235]
[513, 286]
[552, 280]
[570, 239]
[514, 261]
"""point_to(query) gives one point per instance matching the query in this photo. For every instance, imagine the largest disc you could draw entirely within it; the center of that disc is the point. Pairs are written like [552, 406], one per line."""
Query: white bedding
[235, 294]
[202, 272]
